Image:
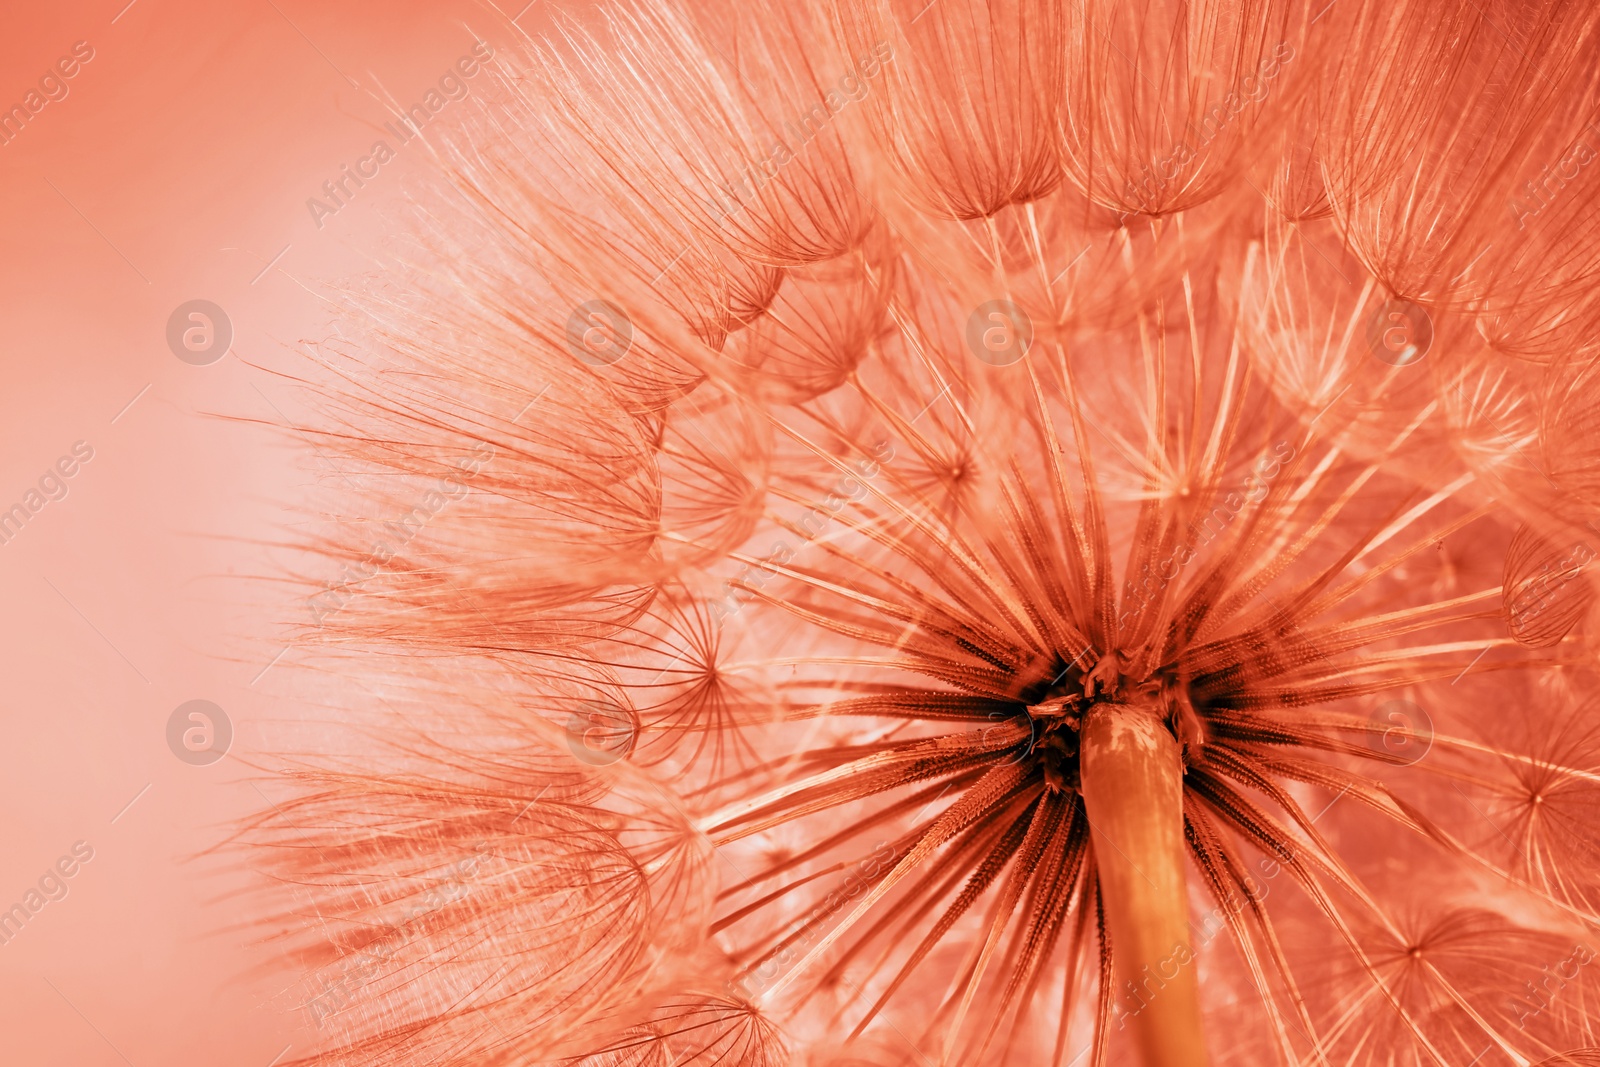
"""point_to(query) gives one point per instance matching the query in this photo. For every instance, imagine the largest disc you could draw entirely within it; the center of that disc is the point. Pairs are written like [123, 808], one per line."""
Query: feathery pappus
[978, 533]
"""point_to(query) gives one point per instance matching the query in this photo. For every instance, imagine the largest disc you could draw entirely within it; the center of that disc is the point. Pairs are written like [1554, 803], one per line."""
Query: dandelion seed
[1023, 710]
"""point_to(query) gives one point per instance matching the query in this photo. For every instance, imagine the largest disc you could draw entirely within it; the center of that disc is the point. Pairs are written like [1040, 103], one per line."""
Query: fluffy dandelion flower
[1015, 532]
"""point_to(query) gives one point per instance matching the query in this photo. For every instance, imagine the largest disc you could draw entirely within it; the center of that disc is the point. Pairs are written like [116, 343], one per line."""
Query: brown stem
[1132, 776]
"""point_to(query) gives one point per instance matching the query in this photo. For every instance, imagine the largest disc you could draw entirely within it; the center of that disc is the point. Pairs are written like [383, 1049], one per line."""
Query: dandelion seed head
[974, 581]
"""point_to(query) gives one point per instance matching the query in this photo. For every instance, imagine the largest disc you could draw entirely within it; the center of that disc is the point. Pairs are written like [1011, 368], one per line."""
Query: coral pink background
[177, 167]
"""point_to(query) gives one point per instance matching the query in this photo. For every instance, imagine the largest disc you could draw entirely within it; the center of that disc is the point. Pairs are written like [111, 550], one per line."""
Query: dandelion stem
[1132, 777]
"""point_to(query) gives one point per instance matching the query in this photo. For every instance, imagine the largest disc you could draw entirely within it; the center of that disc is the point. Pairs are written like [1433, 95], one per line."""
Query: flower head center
[1056, 718]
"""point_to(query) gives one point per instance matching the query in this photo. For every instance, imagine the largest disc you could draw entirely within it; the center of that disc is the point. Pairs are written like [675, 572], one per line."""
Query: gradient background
[177, 167]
